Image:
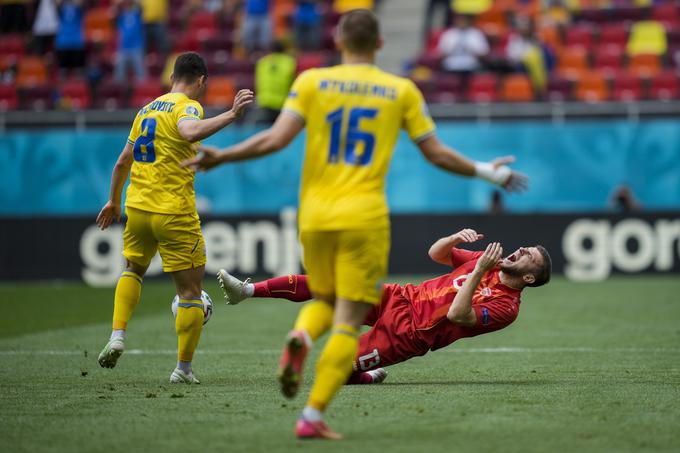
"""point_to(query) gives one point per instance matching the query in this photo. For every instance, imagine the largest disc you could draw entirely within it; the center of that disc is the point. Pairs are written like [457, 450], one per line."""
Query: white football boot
[379, 375]
[111, 352]
[234, 289]
[180, 377]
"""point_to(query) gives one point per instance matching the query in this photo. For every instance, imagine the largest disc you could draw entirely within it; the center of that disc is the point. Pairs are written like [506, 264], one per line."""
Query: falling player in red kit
[480, 295]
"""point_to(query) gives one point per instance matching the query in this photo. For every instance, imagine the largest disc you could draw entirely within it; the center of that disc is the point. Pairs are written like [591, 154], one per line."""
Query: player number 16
[353, 136]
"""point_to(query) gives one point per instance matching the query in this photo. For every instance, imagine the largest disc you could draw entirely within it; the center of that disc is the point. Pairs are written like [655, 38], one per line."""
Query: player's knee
[138, 269]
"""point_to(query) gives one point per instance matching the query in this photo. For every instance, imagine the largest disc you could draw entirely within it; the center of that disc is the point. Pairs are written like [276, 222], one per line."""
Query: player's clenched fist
[242, 99]
[467, 235]
[490, 258]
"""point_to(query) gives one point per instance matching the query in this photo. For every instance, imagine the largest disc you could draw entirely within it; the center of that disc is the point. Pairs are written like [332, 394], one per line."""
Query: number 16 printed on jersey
[353, 136]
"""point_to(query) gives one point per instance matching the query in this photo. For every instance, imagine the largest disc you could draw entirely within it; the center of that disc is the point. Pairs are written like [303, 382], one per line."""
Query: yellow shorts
[350, 264]
[177, 237]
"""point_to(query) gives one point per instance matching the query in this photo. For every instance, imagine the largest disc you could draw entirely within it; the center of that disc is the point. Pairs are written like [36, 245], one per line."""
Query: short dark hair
[542, 274]
[360, 31]
[188, 67]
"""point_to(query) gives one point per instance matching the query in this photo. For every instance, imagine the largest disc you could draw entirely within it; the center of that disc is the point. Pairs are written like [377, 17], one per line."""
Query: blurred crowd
[77, 54]
[92, 49]
[527, 50]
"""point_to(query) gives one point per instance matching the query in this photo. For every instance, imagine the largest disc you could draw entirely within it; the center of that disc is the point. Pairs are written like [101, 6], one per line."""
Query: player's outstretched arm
[112, 209]
[461, 311]
[496, 172]
[440, 251]
[194, 131]
[282, 132]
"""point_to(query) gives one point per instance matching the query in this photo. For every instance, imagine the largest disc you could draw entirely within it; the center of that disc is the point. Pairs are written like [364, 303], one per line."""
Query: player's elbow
[188, 130]
[461, 318]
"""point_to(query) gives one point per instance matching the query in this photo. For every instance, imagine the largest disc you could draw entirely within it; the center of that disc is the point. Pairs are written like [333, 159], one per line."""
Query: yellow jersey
[157, 182]
[353, 114]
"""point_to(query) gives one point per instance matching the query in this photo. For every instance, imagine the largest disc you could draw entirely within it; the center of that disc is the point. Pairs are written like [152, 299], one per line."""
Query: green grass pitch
[586, 367]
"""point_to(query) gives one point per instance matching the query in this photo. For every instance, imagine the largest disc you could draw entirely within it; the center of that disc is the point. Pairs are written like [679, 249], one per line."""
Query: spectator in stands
[70, 43]
[307, 25]
[130, 41]
[45, 25]
[13, 16]
[526, 53]
[274, 74]
[463, 47]
[257, 25]
[441, 8]
[155, 15]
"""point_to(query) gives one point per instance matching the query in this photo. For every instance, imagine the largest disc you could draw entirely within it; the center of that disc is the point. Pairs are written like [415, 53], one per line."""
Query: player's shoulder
[404, 86]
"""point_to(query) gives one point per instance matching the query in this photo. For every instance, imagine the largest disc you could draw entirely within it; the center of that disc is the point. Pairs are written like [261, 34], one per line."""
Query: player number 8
[144, 150]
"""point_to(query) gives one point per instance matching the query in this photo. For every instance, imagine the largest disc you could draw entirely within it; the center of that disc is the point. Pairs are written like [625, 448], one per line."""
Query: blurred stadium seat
[31, 71]
[220, 92]
[8, 97]
[664, 86]
[592, 87]
[483, 88]
[75, 94]
[517, 88]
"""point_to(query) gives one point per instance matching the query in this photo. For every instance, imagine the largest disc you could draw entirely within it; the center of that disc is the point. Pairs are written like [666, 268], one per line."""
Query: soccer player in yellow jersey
[161, 207]
[353, 113]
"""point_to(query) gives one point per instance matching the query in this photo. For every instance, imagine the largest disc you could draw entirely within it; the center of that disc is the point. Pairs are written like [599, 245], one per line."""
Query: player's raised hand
[467, 235]
[490, 258]
[510, 180]
[109, 213]
[206, 158]
[242, 99]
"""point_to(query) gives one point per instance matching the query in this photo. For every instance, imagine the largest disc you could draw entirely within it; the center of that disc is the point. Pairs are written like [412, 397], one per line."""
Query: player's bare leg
[128, 291]
[333, 368]
[189, 322]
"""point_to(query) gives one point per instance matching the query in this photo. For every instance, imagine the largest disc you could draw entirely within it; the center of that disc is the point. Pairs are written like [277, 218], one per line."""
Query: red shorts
[392, 337]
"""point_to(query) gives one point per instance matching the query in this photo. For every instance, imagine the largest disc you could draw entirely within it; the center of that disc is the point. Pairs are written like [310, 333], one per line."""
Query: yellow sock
[126, 298]
[334, 366]
[315, 318]
[188, 325]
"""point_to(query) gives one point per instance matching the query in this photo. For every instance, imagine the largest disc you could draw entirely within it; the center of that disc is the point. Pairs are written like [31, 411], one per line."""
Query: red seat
[447, 88]
[111, 96]
[75, 94]
[579, 35]
[8, 97]
[627, 88]
[203, 20]
[310, 60]
[667, 14]
[36, 98]
[559, 89]
[664, 86]
[430, 60]
[11, 50]
[608, 60]
[145, 92]
[613, 35]
[433, 39]
[483, 88]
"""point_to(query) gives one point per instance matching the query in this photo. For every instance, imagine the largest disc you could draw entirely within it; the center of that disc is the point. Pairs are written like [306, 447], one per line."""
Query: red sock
[359, 378]
[291, 287]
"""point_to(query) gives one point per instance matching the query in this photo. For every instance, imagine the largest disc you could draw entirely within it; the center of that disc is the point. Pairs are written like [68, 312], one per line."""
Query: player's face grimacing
[525, 260]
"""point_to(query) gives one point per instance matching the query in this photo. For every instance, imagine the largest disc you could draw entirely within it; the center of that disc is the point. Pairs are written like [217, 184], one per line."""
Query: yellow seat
[471, 6]
[647, 37]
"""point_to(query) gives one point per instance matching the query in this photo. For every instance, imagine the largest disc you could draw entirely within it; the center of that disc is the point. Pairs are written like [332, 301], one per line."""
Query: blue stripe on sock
[189, 305]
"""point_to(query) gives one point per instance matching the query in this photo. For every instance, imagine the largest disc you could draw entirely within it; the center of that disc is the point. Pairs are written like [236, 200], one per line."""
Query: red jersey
[495, 304]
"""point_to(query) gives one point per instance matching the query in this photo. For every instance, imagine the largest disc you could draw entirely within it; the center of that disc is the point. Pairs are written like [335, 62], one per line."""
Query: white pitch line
[506, 350]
